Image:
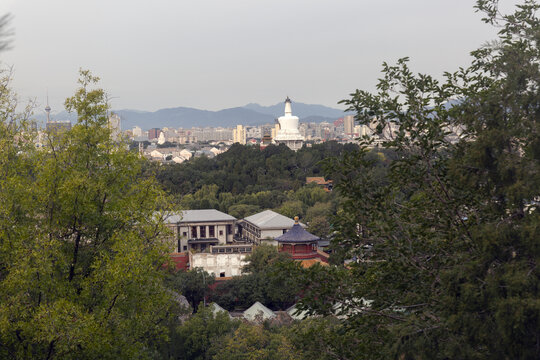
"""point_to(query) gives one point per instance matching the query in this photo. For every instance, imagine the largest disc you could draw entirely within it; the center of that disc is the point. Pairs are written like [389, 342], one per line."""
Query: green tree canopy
[447, 243]
[254, 343]
[80, 259]
[193, 284]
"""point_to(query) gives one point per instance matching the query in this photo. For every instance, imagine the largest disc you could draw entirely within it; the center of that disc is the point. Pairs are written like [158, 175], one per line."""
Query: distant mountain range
[251, 114]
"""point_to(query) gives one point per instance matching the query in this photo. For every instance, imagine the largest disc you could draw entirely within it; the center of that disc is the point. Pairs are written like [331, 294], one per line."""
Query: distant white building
[137, 132]
[114, 126]
[161, 138]
[157, 155]
[178, 159]
[288, 133]
[275, 131]
[186, 154]
[239, 135]
[348, 124]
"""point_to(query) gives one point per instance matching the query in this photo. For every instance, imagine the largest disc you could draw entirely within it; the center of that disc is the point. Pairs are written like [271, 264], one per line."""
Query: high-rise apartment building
[348, 123]
[137, 131]
[154, 133]
[239, 135]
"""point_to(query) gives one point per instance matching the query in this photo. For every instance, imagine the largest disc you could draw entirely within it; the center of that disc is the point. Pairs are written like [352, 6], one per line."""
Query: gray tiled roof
[258, 309]
[199, 216]
[269, 219]
[297, 234]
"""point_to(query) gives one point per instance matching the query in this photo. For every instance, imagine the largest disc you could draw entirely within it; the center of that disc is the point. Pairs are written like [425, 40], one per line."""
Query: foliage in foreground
[80, 260]
[216, 336]
[448, 246]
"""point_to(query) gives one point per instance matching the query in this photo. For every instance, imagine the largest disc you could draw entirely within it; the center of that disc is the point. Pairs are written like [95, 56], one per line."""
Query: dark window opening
[194, 232]
[221, 274]
[202, 231]
[220, 232]
[211, 231]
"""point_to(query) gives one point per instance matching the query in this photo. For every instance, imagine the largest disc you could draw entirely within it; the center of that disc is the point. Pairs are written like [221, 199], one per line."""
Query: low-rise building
[258, 313]
[263, 227]
[301, 245]
[198, 229]
[327, 185]
[223, 261]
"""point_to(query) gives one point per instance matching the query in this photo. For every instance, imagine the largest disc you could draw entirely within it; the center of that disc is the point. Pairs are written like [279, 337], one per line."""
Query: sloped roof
[256, 310]
[269, 219]
[216, 309]
[199, 216]
[297, 314]
[316, 179]
[310, 262]
[297, 234]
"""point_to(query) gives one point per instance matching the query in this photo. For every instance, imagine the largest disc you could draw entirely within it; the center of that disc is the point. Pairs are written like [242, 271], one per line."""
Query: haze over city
[220, 54]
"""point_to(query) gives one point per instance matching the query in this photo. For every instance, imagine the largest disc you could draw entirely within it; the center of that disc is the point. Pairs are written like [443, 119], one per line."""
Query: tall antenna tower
[48, 108]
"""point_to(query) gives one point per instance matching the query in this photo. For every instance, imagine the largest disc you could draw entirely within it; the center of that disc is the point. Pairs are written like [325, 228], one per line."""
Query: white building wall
[220, 233]
[230, 264]
[272, 234]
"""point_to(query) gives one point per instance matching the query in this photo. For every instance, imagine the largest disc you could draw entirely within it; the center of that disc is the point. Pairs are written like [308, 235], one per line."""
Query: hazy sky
[214, 54]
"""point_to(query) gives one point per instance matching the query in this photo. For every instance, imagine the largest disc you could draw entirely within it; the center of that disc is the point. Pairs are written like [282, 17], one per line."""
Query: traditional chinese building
[301, 244]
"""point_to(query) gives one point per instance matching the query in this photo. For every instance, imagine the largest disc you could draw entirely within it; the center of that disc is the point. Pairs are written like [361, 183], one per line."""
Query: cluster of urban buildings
[219, 243]
[287, 130]
[179, 145]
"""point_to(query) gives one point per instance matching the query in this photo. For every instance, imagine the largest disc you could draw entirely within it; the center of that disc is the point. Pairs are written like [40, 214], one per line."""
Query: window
[185, 247]
[202, 231]
[211, 231]
[194, 232]
[220, 232]
[222, 274]
[184, 233]
[284, 231]
[229, 229]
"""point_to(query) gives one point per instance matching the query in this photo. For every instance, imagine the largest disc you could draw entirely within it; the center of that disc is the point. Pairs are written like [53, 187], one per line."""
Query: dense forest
[246, 180]
[247, 169]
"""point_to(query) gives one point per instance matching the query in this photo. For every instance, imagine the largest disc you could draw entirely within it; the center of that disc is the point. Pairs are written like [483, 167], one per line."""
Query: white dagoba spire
[288, 110]
[288, 133]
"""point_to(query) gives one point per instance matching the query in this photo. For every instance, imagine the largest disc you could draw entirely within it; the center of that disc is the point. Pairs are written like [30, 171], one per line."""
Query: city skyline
[215, 55]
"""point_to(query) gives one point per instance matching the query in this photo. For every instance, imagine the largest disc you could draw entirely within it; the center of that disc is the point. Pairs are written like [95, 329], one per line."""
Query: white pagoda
[288, 133]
